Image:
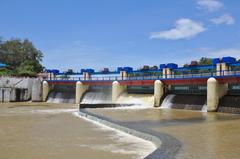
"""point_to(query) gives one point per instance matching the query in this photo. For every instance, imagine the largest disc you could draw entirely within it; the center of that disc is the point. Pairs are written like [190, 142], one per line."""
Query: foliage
[205, 61]
[21, 57]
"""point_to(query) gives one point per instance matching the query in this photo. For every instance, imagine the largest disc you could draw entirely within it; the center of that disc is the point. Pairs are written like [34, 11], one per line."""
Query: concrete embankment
[20, 89]
[167, 146]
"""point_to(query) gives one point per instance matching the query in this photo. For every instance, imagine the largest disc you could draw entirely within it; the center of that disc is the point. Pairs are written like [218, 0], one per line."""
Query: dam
[205, 87]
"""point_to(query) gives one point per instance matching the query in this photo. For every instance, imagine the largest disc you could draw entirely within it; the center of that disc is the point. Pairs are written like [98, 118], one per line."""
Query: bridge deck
[145, 80]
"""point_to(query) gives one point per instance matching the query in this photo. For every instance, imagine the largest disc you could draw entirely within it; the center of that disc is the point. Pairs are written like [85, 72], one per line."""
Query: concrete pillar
[45, 90]
[86, 75]
[80, 90]
[218, 69]
[215, 91]
[225, 69]
[117, 90]
[168, 73]
[158, 92]
[51, 76]
[164, 74]
[36, 90]
[123, 74]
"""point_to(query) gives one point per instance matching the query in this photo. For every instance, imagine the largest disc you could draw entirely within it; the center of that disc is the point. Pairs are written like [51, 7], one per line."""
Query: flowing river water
[184, 134]
[55, 131]
[44, 130]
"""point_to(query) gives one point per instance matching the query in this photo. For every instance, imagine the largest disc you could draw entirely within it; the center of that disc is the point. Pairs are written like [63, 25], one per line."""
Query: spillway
[62, 94]
[97, 95]
[191, 102]
[229, 104]
[146, 100]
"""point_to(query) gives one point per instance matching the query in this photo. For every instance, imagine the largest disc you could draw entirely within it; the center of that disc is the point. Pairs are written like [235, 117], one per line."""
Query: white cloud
[184, 29]
[224, 19]
[210, 5]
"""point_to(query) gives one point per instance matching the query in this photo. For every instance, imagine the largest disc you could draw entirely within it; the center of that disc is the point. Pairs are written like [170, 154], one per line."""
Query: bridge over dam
[213, 87]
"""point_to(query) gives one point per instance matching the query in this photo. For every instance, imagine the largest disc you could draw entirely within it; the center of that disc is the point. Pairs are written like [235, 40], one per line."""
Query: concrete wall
[7, 94]
[19, 88]
[36, 90]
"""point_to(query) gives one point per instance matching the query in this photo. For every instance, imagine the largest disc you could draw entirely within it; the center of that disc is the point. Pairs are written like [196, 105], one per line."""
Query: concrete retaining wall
[20, 89]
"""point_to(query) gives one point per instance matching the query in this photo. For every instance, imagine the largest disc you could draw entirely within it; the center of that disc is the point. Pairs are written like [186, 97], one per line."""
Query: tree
[205, 61]
[21, 56]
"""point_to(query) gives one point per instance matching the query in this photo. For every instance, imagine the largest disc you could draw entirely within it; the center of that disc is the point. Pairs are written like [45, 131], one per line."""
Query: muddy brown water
[53, 131]
[199, 135]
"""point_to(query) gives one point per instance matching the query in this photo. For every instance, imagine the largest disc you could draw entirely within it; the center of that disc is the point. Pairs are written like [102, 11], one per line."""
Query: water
[98, 95]
[167, 102]
[146, 100]
[61, 97]
[190, 102]
[204, 108]
[95, 97]
[54, 131]
[184, 134]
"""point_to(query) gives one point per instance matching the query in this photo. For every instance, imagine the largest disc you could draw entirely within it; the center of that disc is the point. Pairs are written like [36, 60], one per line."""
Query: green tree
[21, 56]
[205, 61]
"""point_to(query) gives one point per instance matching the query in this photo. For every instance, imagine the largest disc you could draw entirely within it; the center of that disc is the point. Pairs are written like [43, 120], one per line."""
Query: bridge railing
[168, 76]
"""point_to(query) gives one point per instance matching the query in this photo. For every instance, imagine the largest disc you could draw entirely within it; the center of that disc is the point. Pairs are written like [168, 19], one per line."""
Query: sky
[112, 33]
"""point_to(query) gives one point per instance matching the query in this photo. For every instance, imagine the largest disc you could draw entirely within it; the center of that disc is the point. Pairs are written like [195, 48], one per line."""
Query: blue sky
[110, 33]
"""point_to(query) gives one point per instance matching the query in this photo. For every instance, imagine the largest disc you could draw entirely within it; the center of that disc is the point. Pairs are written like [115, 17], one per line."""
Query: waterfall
[204, 108]
[97, 98]
[141, 100]
[98, 95]
[167, 102]
[62, 94]
[185, 101]
[61, 97]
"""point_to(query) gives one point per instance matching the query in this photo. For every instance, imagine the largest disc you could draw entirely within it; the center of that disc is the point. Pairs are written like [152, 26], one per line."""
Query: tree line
[21, 57]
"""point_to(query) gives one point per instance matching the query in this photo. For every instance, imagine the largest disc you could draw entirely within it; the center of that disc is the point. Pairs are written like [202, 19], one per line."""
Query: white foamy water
[204, 108]
[167, 102]
[138, 100]
[137, 146]
[95, 97]
[60, 97]
[54, 111]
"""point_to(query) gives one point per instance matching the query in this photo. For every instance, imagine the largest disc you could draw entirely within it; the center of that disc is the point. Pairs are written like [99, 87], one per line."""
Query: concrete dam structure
[193, 97]
[202, 88]
[14, 89]
[207, 87]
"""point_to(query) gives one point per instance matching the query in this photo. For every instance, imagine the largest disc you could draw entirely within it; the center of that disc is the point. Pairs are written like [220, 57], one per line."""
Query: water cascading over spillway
[167, 102]
[97, 95]
[143, 100]
[187, 101]
[62, 94]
